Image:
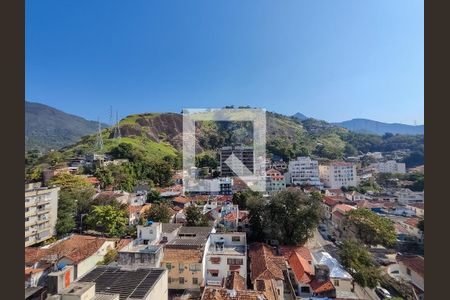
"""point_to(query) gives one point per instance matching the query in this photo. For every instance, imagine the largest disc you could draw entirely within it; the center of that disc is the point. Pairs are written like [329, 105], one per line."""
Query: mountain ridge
[49, 128]
[363, 125]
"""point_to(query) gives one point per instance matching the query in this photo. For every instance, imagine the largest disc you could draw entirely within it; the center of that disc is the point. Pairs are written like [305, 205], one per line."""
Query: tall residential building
[275, 181]
[304, 171]
[338, 174]
[390, 166]
[243, 153]
[41, 209]
[227, 252]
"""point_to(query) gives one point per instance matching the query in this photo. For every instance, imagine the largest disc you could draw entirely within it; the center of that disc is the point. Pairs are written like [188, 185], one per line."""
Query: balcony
[42, 220]
[42, 211]
[30, 232]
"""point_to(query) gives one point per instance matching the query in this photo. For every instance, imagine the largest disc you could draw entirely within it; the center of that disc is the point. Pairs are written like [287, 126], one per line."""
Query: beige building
[41, 209]
[184, 267]
[339, 174]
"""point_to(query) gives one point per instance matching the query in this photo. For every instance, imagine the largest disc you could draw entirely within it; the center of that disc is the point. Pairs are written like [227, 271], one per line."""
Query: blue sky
[332, 60]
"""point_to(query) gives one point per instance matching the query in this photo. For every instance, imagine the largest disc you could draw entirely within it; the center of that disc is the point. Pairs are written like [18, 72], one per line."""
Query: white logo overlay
[238, 163]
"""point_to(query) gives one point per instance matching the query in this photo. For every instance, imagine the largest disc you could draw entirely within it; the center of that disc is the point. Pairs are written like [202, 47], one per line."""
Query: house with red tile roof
[81, 251]
[265, 264]
[410, 268]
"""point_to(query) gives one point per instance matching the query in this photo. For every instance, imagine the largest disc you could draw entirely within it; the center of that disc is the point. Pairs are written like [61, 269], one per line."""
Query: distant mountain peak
[49, 128]
[300, 116]
[370, 126]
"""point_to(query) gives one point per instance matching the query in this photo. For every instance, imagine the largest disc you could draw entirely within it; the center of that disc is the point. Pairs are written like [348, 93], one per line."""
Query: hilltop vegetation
[158, 137]
[48, 128]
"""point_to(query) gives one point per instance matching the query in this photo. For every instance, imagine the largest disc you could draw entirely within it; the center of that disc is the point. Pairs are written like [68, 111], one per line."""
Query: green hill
[48, 128]
[157, 135]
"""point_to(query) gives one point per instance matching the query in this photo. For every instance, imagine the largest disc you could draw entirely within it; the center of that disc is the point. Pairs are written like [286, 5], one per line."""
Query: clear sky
[332, 60]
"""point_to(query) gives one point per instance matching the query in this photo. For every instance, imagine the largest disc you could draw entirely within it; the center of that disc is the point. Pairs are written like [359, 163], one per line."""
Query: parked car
[382, 293]
[331, 238]
[339, 243]
[383, 261]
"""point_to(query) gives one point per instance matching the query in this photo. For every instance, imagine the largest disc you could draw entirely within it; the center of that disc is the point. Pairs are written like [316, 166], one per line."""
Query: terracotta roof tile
[76, 248]
[286, 251]
[412, 222]
[264, 264]
[414, 262]
[321, 287]
[301, 267]
[235, 281]
[120, 244]
[182, 255]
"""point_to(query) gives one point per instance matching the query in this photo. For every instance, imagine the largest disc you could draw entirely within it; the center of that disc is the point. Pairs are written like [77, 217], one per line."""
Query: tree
[206, 160]
[421, 225]
[66, 214]
[153, 196]
[195, 217]
[350, 150]
[74, 198]
[127, 151]
[31, 157]
[292, 216]
[105, 176]
[110, 256]
[53, 158]
[359, 263]
[369, 227]
[108, 219]
[158, 212]
[69, 182]
[33, 174]
[256, 219]
[245, 198]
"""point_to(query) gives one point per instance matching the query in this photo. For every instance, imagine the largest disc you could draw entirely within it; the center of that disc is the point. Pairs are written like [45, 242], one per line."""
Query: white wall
[160, 289]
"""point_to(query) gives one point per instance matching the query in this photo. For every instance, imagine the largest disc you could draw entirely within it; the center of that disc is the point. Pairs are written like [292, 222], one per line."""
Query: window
[194, 267]
[408, 271]
[169, 279]
[235, 238]
[305, 289]
[214, 273]
[195, 280]
[235, 261]
[181, 267]
[168, 266]
[215, 260]
[181, 280]
[336, 282]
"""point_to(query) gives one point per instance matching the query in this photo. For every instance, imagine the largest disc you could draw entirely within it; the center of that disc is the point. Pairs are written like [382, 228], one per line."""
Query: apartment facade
[390, 166]
[275, 181]
[339, 174]
[41, 209]
[406, 196]
[227, 252]
[243, 153]
[304, 171]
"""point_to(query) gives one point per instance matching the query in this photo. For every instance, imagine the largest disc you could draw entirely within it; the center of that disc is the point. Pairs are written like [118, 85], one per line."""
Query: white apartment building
[41, 209]
[338, 174]
[226, 252]
[390, 166]
[406, 196]
[304, 171]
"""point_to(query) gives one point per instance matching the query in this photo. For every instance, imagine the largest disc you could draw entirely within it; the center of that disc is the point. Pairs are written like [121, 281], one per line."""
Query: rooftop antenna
[117, 127]
[99, 141]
